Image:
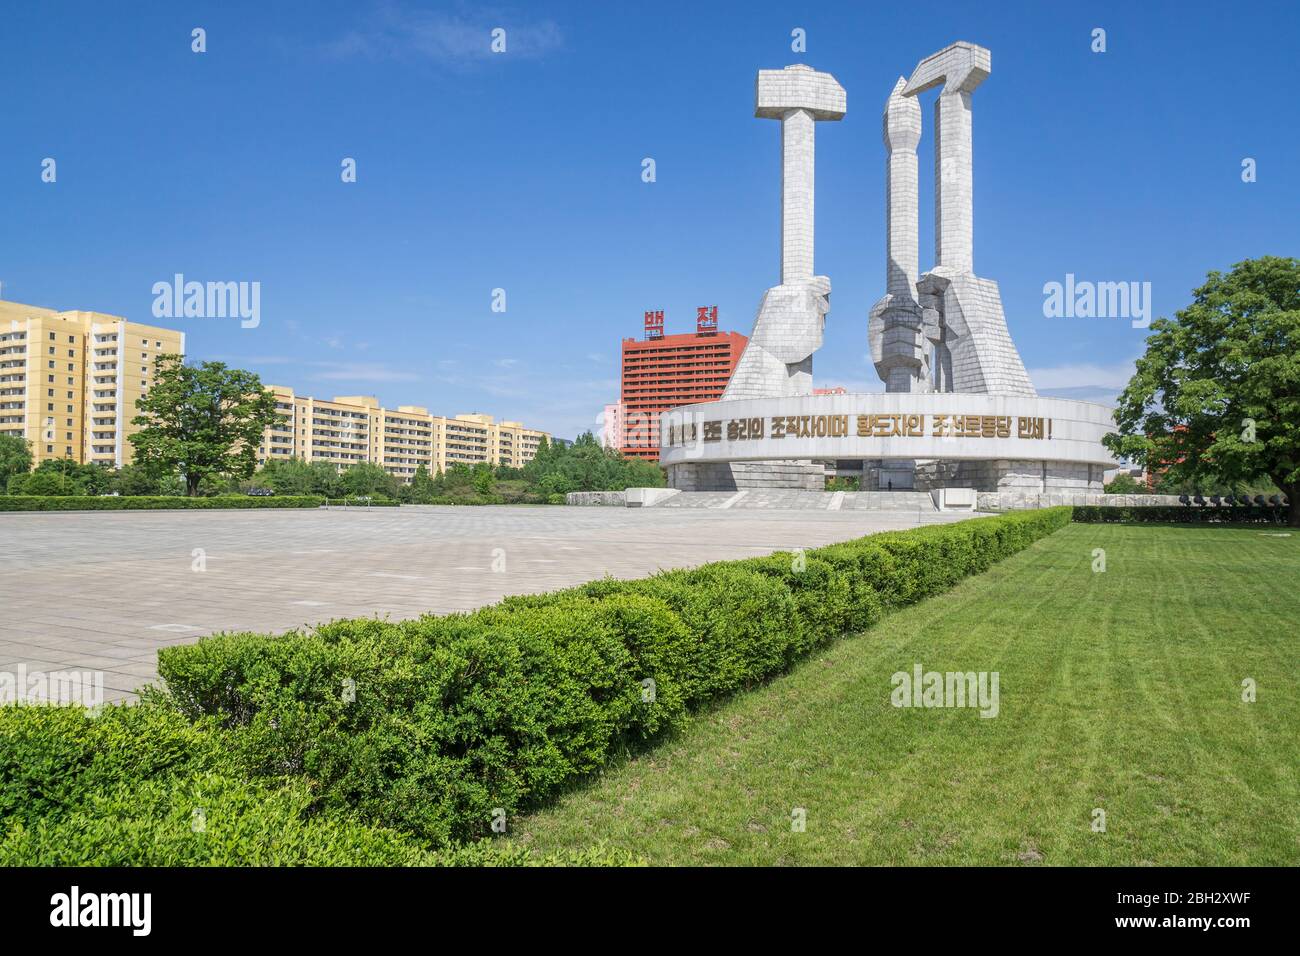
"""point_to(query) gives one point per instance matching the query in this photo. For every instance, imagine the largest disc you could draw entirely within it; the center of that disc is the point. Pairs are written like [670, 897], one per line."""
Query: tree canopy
[201, 420]
[588, 466]
[1217, 394]
[15, 457]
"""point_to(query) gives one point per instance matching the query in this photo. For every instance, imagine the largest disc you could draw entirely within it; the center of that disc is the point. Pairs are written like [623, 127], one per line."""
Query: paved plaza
[104, 591]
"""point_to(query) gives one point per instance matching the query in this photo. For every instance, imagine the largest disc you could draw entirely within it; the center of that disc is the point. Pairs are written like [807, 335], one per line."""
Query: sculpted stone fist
[788, 330]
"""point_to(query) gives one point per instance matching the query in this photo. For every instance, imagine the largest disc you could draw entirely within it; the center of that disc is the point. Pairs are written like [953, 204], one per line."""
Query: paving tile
[89, 591]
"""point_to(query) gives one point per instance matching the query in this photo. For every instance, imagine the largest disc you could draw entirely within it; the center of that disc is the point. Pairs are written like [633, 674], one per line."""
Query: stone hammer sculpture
[778, 359]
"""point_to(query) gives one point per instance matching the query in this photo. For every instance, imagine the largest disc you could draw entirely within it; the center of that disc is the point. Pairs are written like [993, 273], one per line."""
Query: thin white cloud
[394, 31]
[331, 371]
[359, 372]
[1083, 375]
[566, 410]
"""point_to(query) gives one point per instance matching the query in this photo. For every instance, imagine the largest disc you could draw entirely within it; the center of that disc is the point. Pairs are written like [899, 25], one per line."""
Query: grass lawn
[1119, 690]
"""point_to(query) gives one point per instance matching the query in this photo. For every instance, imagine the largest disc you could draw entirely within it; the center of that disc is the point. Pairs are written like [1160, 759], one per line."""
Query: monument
[959, 410]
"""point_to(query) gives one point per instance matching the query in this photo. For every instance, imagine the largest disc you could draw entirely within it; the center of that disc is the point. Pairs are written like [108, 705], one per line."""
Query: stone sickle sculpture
[949, 311]
[778, 359]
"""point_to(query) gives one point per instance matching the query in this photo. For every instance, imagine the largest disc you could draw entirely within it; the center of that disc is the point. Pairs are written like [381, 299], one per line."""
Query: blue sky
[522, 171]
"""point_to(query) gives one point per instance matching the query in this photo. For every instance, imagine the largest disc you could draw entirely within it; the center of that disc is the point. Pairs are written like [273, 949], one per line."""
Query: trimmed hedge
[149, 502]
[372, 742]
[145, 786]
[457, 716]
[1180, 514]
[361, 503]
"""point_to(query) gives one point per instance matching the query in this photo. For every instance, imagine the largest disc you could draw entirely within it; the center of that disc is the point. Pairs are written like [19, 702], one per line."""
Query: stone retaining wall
[617, 499]
[746, 475]
[1015, 501]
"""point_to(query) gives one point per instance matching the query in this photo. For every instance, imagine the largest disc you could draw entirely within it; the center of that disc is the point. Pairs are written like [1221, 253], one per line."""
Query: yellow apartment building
[352, 428]
[69, 381]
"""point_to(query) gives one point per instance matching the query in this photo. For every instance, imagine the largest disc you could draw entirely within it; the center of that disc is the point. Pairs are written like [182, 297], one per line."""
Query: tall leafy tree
[365, 478]
[15, 457]
[201, 420]
[587, 466]
[422, 489]
[1216, 397]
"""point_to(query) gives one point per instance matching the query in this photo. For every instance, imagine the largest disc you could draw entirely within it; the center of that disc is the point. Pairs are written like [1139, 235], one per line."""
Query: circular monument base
[744, 475]
[906, 441]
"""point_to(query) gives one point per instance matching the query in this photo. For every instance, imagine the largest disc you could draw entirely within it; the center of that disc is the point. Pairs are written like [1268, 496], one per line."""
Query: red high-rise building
[665, 371]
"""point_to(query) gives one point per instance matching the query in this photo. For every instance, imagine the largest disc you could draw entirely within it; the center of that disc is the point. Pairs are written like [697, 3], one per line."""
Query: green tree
[63, 476]
[366, 479]
[1217, 394]
[201, 420]
[15, 457]
[458, 478]
[1124, 484]
[587, 466]
[422, 489]
[134, 479]
[483, 479]
[325, 479]
[42, 482]
[289, 476]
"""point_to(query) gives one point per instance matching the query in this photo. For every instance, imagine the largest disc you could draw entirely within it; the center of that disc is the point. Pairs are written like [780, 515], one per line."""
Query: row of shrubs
[149, 502]
[146, 786]
[153, 502]
[1181, 514]
[371, 741]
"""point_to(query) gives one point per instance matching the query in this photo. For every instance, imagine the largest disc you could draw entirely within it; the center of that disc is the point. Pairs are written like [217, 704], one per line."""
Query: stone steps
[888, 501]
[910, 502]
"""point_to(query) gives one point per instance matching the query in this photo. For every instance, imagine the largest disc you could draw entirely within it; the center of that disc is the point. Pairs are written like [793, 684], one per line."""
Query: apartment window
[144, 342]
[69, 425]
[158, 344]
[68, 437]
[51, 391]
[69, 394]
[51, 336]
[144, 355]
[71, 367]
[72, 353]
[69, 409]
[50, 407]
[51, 349]
[49, 449]
[51, 378]
[71, 339]
[51, 364]
[69, 448]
